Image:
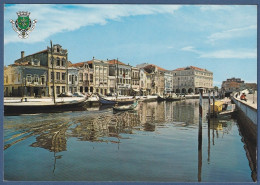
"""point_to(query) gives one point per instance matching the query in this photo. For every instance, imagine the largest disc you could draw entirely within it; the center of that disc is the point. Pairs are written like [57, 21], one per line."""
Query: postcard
[130, 93]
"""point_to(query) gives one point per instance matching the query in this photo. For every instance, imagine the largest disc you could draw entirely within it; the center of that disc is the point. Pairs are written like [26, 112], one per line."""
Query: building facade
[100, 76]
[57, 70]
[157, 75]
[73, 79]
[26, 79]
[168, 82]
[135, 81]
[190, 79]
[232, 84]
[122, 73]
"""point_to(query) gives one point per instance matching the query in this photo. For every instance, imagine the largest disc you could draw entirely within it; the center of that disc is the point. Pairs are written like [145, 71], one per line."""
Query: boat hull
[17, 109]
[104, 101]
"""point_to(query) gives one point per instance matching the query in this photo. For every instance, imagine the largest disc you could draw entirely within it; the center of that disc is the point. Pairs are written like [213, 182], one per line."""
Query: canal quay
[156, 142]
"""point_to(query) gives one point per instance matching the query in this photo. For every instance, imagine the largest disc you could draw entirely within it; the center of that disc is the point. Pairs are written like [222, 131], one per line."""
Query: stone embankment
[247, 121]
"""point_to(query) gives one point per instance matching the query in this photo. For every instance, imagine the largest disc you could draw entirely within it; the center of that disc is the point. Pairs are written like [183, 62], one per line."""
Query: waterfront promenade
[251, 100]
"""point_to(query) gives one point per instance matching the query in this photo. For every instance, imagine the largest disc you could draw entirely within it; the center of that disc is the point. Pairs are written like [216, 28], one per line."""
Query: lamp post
[253, 96]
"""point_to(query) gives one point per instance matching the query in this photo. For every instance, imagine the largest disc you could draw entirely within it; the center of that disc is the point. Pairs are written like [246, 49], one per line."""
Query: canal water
[157, 143]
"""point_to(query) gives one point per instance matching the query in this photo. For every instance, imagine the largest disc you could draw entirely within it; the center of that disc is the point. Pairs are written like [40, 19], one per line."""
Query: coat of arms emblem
[23, 24]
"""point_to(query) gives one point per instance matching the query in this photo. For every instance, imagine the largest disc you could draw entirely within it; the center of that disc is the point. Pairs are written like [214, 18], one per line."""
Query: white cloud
[191, 49]
[233, 33]
[215, 7]
[54, 19]
[228, 54]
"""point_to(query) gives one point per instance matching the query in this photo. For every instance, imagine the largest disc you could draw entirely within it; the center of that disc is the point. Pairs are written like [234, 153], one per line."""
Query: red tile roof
[152, 65]
[80, 64]
[191, 67]
[114, 61]
[35, 53]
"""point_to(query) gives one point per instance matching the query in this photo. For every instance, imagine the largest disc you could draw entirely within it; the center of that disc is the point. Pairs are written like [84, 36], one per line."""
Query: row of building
[236, 84]
[40, 73]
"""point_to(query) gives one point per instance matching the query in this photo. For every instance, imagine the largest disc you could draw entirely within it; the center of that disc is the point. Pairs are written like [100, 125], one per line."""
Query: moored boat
[125, 107]
[222, 110]
[175, 98]
[105, 101]
[31, 107]
[159, 98]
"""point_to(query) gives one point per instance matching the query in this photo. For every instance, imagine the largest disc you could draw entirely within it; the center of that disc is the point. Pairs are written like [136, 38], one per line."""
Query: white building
[190, 79]
[73, 81]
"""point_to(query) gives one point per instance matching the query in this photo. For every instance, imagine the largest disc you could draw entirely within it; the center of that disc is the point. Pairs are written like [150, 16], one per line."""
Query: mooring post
[209, 106]
[200, 117]
[214, 104]
[200, 137]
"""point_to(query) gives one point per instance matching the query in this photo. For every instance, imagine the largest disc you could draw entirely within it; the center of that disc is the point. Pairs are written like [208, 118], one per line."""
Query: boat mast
[116, 78]
[53, 85]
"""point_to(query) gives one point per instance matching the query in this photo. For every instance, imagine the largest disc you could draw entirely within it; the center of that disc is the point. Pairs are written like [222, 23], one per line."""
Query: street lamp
[253, 96]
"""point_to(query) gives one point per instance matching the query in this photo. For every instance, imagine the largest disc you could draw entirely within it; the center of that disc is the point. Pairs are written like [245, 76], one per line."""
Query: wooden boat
[125, 107]
[159, 98]
[222, 110]
[32, 107]
[175, 98]
[105, 101]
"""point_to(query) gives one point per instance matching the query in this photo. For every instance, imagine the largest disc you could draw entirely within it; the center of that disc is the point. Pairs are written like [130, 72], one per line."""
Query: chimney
[22, 54]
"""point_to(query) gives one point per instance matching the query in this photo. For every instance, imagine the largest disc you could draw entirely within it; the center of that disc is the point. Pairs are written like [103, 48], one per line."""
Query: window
[76, 78]
[86, 76]
[52, 75]
[42, 79]
[91, 77]
[58, 61]
[63, 76]
[63, 89]
[81, 77]
[58, 89]
[58, 75]
[29, 78]
[19, 77]
[36, 78]
[63, 62]
[70, 78]
[120, 71]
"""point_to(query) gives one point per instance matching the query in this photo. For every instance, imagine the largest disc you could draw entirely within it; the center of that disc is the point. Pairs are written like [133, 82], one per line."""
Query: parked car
[65, 94]
[78, 94]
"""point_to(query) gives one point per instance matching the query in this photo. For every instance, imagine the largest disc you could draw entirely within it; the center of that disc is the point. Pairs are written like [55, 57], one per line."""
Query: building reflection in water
[52, 132]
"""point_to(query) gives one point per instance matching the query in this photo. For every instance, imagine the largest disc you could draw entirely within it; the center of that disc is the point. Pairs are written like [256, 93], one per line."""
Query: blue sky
[220, 38]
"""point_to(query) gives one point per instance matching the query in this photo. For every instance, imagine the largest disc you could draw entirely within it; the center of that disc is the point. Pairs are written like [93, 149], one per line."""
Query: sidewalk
[251, 100]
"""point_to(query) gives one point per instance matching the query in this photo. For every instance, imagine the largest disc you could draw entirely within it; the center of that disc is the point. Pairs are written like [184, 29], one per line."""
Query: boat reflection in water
[156, 142]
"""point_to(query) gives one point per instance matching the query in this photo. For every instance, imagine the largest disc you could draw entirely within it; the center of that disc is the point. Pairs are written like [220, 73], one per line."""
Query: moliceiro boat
[105, 101]
[32, 107]
[175, 98]
[117, 108]
[222, 110]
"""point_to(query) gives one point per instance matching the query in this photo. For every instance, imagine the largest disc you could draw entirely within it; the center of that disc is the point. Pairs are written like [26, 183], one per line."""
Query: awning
[136, 90]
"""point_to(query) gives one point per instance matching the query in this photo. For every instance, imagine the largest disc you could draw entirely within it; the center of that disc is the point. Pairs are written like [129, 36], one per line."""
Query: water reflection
[52, 131]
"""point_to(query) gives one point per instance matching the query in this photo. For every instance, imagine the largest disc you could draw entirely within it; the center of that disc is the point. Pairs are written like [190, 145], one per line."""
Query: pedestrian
[243, 97]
